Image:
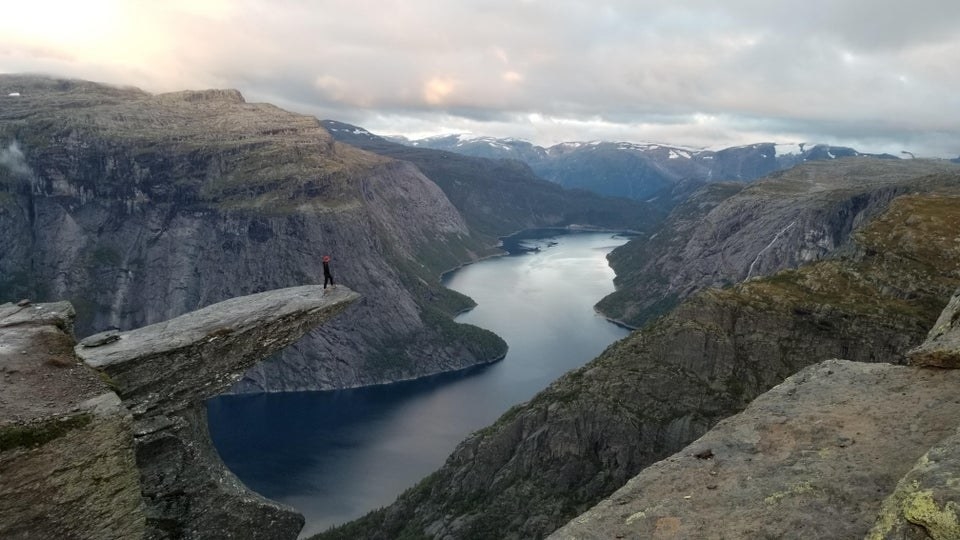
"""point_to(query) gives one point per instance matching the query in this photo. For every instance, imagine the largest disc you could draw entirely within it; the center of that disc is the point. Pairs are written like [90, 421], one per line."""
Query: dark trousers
[327, 278]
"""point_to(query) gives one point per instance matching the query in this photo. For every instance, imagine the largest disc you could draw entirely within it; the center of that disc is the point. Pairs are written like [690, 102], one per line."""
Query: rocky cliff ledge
[815, 457]
[67, 466]
[119, 448]
[164, 371]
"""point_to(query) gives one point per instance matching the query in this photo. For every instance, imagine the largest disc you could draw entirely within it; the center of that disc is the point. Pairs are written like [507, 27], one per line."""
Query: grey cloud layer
[843, 70]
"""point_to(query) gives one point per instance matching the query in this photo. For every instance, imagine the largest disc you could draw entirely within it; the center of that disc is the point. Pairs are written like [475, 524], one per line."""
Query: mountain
[486, 147]
[729, 232]
[138, 207]
[641, 171]
[649, 395]
[498, 197]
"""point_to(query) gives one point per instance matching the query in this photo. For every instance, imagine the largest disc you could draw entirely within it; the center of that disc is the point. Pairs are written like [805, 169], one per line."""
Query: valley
[124, 209]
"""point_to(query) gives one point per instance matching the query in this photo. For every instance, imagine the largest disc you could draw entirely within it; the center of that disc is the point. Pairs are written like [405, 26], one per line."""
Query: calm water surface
[337, 455]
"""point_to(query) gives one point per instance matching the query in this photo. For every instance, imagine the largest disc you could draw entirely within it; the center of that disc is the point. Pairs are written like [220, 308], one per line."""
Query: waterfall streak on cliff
[770, 245]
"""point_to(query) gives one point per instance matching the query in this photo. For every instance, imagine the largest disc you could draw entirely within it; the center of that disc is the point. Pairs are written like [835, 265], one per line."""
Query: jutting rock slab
[164, 372]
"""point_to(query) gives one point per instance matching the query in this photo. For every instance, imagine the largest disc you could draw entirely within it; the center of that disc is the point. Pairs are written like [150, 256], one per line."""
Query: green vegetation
[105, 256]
[34, 434]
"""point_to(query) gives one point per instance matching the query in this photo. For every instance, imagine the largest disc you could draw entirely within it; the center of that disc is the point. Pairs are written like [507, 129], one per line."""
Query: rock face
[164, 372]
[139, 207]
[926, 502]
[649, 395]
[501, 197]
[728, 233]
[812, 458]
[67, 465]
[942, 347]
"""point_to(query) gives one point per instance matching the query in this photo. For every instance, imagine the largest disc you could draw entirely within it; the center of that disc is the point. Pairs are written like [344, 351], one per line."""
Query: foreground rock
[163, 372]
[942, 348]
[67, 465]
[926, 502]
[812, 458]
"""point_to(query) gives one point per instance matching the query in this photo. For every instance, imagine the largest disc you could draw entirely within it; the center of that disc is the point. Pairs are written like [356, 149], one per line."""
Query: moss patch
[940, 522]
[35, 434]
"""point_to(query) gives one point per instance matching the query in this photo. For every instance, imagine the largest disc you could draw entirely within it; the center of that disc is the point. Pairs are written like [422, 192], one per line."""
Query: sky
[878, 75]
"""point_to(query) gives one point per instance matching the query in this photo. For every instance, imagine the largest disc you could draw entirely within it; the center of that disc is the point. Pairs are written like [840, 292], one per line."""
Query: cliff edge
[117, 446]
[815, 457]
[67, 464]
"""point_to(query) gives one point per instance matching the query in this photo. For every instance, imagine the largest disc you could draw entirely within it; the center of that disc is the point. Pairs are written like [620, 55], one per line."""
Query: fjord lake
[337, 455]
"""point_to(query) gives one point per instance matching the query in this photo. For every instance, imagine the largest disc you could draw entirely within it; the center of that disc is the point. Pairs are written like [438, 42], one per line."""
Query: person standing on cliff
[327, 276]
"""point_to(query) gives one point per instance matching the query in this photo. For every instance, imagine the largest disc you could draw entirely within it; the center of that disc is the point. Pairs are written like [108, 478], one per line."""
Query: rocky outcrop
[812, 458]
[942, 347]
[816, 457]
[651, 394]
[164, 372]
[67, 464]
[926, 502]
[728, 233]
[139, 207]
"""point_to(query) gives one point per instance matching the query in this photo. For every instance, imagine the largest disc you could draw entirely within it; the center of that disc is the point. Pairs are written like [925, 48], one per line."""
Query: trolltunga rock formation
[164, 371]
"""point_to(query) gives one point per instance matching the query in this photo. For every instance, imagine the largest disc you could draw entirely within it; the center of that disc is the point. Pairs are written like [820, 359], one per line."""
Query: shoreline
[565, 228]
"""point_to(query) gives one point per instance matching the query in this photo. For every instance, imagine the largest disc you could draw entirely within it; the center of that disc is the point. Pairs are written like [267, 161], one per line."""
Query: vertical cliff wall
[727, 233]
[139, 207]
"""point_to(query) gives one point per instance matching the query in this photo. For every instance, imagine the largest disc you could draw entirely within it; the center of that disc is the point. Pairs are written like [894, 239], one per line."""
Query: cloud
[879, 70]
[12, 159]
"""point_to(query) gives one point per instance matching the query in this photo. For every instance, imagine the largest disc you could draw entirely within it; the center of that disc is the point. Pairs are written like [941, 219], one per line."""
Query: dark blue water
[337, 455]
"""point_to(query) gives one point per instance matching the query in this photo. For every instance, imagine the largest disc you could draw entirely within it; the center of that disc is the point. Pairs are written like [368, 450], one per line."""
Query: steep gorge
[644, 398]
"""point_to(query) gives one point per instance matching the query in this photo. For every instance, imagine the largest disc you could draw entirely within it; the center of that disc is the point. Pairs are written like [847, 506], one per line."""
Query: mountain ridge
[642, 170]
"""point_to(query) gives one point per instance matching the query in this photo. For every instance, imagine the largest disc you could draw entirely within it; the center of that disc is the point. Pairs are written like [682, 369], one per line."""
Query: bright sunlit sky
[874, 74]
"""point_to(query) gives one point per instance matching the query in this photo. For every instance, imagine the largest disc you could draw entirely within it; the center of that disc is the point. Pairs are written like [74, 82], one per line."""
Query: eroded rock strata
[117, 447]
